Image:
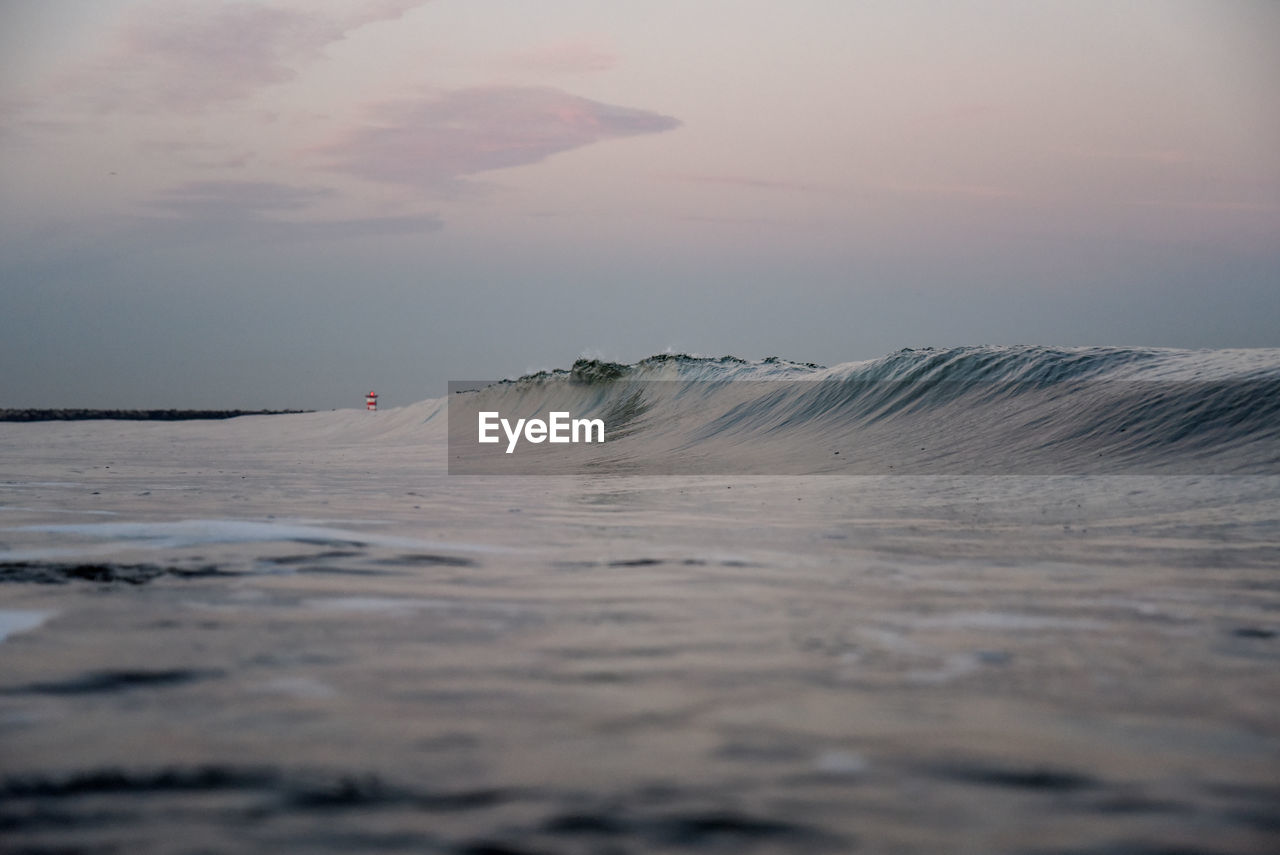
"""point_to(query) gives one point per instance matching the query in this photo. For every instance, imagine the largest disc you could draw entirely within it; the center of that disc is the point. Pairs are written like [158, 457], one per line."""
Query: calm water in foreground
[295, 633]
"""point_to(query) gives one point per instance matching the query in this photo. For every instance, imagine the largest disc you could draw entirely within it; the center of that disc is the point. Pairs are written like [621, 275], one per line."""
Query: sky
[287, 203]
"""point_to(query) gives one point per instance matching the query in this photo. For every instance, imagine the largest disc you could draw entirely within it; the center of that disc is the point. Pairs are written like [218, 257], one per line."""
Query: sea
[958, 600]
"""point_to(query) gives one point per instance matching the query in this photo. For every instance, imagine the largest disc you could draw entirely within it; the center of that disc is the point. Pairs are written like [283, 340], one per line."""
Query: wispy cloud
[188, 55]
[18, 127]
[577, 56]
[727, 221]
[969, 191]
[215, 200]
[905, 188]
[197, 154]
[747, 182]
[253, 209]
[1210, 205]
[431, 141]
[1158, 156]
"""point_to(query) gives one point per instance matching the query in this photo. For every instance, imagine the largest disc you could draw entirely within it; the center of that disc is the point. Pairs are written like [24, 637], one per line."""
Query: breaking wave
[964, 410]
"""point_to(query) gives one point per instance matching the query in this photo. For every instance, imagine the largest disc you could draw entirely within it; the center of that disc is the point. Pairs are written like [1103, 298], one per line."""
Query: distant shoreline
[75, 415]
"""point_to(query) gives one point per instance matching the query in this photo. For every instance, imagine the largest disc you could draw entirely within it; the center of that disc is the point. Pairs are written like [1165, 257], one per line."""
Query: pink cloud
[431, 141]
[570, 57]
[186, 55]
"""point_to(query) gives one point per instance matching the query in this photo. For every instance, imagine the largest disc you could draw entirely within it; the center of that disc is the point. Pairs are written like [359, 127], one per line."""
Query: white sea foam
[403, 606]
[395, 606]
[197, 532]
[842, 764]
[952, 667]
[22, 509]
[14, 621]
[1003, 621]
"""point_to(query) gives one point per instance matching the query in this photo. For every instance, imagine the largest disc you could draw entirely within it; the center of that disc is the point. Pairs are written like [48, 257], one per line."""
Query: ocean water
[300, 633]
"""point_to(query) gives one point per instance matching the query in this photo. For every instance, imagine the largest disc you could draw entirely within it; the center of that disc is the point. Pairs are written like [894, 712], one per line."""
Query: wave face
[964, 410]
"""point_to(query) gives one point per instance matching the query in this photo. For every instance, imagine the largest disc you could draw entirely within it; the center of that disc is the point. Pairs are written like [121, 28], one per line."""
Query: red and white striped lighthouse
[371, 401]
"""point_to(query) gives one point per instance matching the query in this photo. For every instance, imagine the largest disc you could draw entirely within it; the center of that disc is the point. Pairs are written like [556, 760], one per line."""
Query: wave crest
[978, 410]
